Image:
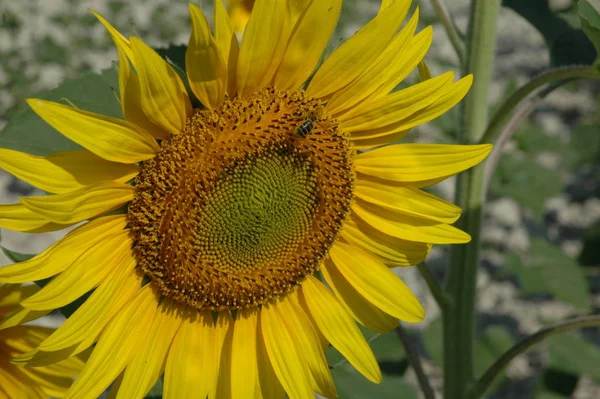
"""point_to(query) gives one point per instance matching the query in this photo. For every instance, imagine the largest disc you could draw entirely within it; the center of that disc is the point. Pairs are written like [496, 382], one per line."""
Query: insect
[306, 127]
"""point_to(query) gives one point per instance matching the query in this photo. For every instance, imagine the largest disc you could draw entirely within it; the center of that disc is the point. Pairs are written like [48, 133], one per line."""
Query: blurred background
[543, 213]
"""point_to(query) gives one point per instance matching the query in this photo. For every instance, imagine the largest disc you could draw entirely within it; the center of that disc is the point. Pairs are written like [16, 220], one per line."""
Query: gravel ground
[42, 43]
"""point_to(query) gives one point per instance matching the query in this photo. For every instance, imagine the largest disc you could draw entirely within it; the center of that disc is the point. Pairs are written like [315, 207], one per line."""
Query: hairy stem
[459, 320]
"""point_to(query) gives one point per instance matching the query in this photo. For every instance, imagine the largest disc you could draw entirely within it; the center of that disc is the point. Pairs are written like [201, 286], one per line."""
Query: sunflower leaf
[572, 354]
[589, 14]
[547, 269]
[16, 256]
[526, 182]
[567, 45]
[27, 132]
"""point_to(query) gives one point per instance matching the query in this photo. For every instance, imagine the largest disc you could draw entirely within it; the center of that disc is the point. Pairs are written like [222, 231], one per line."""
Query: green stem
[459, 320]
[500, 364]
[451, 30]
[508, 106]
[441, 297]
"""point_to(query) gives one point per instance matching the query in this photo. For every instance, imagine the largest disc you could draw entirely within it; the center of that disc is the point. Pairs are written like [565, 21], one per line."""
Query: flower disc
[245, 203]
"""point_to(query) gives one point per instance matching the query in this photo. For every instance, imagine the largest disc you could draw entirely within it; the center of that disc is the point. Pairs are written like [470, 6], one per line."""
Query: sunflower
[227, 245]
[21, 382]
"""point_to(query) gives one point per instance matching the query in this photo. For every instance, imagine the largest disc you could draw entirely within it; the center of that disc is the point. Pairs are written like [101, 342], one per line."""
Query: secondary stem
[500, 364]
[508, 106]
[451, 30]
[441, 297]
[415, 362]
[459, 320]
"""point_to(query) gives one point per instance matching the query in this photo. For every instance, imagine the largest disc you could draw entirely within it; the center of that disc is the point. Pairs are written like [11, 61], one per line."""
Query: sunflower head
[254, 229]
[241, 207]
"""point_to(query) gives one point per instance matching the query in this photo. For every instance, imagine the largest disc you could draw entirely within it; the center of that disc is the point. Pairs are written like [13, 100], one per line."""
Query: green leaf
[157, 391]
[351, 384]
[555, 384]
[529, 279]
[572, 354]
[590, 256]
[567, 46]
[532, 139]
[558, 274]
[27, 132]
[494, 341]
[432, 339]
[16, 256]
[390, 355]
[589, 13]
[526, 182]
[584, 146]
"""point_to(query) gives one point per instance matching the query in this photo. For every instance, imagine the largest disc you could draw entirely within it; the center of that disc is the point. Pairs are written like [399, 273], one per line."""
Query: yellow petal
[61, 255]
[110, 138]
[308, 41]
[243, 354]
[408, 200]
[406, 62]
[424, 72]
[284, 354]
[391, 250]
[361, 309]
[204, 63]
[372, 142]
[375, 282]
[228, 44]
[11, 311]
[64, 171]
[131, 103]
[164, 98]
[408, 227]
[263, 45]
[359, 52]
[336, 324]
[120, 40]
[129, 85]
[84, 326]
[87, 272]
[396, 106]
[268, 385]
[18, 217]
[15, 384]
[11, 295]
[193, 360]
[147, 365]
[224, 377]
[22, 316]
[395, 63]
[418, 162]
[81, 204]
[52, 385]
[421, 112]
[307, 339]
[385, 4]
[119, 343]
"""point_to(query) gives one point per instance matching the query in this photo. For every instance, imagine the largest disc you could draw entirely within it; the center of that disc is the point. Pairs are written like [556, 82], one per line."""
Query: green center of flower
[245, 203]
[259, 212]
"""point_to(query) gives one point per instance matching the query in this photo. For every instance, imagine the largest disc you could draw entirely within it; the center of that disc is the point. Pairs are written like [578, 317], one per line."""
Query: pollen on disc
[240, 208]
